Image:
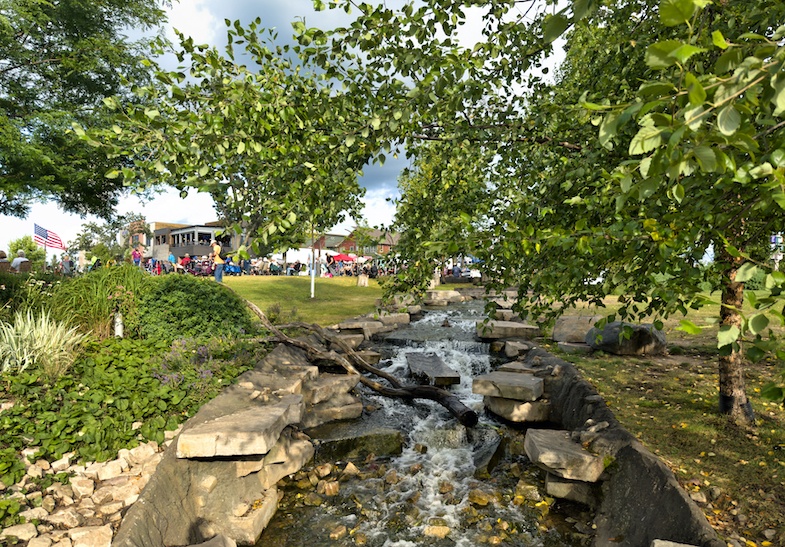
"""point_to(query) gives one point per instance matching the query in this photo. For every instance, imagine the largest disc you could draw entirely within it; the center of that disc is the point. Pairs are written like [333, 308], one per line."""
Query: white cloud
[194, 18]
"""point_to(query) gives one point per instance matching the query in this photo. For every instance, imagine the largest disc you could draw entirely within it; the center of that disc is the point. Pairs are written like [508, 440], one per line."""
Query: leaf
[728, 120]
[706, 158]
[658, 55]
[778, 84]
[758, 323]
[746, 272]
[719, 40]
[697, 94]
[678, 192]
[647, 139]
[676, 12]
[112, 174]
[689, 327]
[727, 335]
[553, 27]
[349, 140]
[684, 52]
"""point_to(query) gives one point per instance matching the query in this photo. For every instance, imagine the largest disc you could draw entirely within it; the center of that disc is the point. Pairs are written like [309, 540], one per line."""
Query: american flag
[47, 238]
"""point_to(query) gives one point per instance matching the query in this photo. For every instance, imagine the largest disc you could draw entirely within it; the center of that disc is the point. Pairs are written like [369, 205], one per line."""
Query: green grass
[334, 299]
[670, 404]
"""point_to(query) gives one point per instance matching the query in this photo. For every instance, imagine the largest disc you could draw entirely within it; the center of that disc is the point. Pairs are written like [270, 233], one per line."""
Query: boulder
[494, 330]
[627, 339]
[519, 411]
[251, 431]
[442, 298]
[430, 367]
[510, 385]
[513, 349]
[578, 491]
[573, 328]
[555, 452]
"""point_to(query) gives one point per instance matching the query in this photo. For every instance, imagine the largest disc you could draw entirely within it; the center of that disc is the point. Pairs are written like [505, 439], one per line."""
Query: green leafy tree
[268, 141]
[114, 234]
[59, 59]
[688, 99]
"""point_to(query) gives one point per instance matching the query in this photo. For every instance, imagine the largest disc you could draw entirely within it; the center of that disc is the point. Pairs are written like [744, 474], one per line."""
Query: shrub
[39, 342]
[90, 301]
[24, 292]
[184, 306]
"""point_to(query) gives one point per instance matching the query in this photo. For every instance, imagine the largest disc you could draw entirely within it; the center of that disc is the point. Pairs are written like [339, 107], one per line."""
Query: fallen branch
[350, 361]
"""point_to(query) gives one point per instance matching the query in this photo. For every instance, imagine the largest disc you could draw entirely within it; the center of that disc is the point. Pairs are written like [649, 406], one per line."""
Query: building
[367, 241]
[182, 239]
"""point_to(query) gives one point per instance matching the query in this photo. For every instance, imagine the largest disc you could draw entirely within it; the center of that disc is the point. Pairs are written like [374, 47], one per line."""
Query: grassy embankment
[334, 299]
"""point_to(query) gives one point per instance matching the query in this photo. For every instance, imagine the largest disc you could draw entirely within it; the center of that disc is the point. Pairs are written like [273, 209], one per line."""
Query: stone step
[327, 386]
[366, 328]
[431, 367]
[339, 407]
[371, 357]
[494, 330]
[575, 348]
[352, 340]
[398, 318]
[251, 431]
[519, 411]
[554, 451]
[509, 385]
[579, 491]
[442, 298]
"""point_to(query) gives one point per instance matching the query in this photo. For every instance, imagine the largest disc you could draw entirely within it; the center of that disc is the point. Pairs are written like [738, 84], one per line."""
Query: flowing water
[430, 489]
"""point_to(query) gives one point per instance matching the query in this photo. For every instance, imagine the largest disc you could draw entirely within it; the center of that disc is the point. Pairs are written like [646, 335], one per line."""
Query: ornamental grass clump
[38, 341]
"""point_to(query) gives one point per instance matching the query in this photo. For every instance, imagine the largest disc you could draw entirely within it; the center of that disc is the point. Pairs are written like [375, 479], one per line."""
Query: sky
[204, 21]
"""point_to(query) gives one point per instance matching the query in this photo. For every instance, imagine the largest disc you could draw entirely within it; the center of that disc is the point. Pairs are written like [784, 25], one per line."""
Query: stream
[430, 494]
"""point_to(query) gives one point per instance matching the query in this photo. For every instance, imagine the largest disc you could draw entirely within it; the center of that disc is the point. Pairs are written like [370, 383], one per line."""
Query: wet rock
[509, 385]
[578, 491]
[440, 532]
[339, 532]
[519, 411]
[312, 499]
[355, 441]
[479, 497]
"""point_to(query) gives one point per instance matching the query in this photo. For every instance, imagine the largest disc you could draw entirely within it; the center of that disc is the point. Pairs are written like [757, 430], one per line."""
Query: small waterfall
[428, 486]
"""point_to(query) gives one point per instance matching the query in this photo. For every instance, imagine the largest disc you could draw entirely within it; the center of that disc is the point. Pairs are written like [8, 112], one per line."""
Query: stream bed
[433, 493]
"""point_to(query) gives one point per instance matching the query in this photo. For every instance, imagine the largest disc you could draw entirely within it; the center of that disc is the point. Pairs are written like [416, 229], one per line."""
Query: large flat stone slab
[495, 330]
[519, 411]
[431, 367]
[251, 431]
[328, 386]
[339, 407]
[573, 328]
[554, 451]
[510, 385]
[579, 491]
[398, 318]
[442, 298]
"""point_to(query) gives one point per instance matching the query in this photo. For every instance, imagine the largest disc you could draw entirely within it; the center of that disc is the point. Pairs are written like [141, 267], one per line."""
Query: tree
[575, 215]
[59, 60]
[35, 254]
[271, 143]
[114, 235]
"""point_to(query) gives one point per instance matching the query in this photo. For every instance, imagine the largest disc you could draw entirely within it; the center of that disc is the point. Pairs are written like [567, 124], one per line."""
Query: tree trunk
[733, 396]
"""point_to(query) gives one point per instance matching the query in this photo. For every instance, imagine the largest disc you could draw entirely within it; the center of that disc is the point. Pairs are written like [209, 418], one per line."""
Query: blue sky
[204, 21]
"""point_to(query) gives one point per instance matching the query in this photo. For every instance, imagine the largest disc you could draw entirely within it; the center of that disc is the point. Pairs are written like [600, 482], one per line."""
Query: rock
[440, 532]
[91, 536]
[643, 339]
[217, 541]
[487, 449]
[575, 349]
[299, 452]
[430, 367]
[355, 441]
[82, 487]
[40, 541]
[23, 532]
[579, 491]
[36, 513]
[339, 532]
[510, 385]
[111, 470]
[352, 340]
[513, 349]
[68, 517]
[478, 497]
[573, 328]
[665, 543]
[398, 318]
[366, 328]
[253, 431]
[140, 454]
[442, 298]
[369, 356]
[327, 386]
[698, 497]
[506, 329]
[339, 407]
[519, 411]
[553, 451]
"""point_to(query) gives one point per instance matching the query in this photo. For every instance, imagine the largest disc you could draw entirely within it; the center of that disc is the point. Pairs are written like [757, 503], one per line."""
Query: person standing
[67, 266]
[218, 261]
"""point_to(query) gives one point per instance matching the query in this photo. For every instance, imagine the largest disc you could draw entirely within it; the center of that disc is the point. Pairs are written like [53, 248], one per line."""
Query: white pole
[313, 263]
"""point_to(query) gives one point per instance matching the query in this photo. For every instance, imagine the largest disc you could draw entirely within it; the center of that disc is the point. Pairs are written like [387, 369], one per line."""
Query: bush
[38, 342]
[25, 292]
[184, 306]
[91, 300]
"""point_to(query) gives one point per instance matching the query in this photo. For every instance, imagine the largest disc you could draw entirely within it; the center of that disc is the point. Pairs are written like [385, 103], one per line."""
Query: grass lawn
[670, 404]
[334, 299]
